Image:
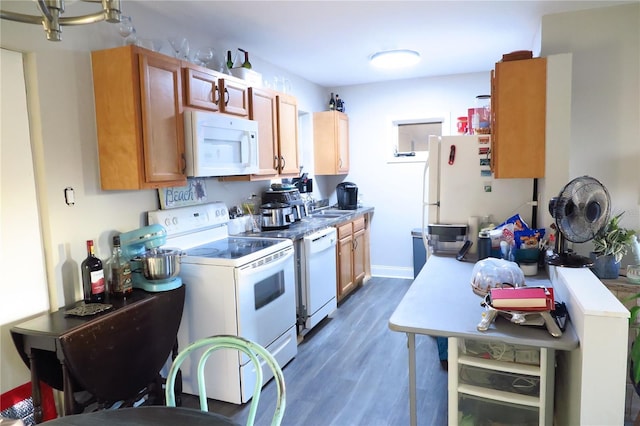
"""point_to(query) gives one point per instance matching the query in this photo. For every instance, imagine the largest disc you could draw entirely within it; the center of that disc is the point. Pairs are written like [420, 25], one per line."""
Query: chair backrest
[253, 350]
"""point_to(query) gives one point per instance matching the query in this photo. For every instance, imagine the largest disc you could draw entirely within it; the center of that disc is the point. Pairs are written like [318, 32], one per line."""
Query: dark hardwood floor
[353, 370]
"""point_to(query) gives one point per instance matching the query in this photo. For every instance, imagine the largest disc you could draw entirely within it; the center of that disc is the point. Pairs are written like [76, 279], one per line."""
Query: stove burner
[231, 247]
[203, 251]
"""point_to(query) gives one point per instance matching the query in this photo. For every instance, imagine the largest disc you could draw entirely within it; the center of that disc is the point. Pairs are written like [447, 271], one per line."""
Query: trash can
[419, 251]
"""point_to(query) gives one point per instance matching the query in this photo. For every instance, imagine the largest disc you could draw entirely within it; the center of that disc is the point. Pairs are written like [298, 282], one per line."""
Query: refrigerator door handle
[452, 155]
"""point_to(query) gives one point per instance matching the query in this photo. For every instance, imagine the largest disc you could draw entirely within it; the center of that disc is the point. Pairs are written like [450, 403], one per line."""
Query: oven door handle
[256, 266]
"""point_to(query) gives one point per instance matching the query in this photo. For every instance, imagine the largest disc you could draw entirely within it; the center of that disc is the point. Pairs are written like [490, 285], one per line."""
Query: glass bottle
[246, 63]
[332, 103]
[339, 103]
[93, 282]
[119, 271]
[229, 60]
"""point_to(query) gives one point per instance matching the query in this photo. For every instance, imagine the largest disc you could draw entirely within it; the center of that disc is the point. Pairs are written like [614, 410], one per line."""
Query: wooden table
[113, 355]
[440, 302]
[144, 416]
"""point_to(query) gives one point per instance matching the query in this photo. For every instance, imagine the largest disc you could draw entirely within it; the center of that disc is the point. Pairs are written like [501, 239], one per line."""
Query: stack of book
[522, 299]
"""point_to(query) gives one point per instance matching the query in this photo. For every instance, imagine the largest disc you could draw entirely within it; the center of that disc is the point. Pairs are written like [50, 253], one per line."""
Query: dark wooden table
[144, 416]
[113, 355]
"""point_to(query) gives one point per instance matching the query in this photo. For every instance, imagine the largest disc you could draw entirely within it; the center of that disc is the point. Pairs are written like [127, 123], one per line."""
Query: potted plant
[610, 245]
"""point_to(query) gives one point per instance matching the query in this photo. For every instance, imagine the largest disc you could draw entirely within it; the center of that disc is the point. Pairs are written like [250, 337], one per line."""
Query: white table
[440, 302]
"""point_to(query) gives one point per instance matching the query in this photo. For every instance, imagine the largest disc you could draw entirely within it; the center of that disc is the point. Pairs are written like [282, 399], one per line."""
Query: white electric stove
[242, 286]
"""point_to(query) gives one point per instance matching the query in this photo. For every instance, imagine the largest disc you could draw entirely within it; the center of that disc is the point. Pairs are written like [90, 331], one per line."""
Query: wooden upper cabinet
[138, 101]
[263, 109]
[287, 114]
[518, 118]
[201, 88]
[234, 97]
[331, 143]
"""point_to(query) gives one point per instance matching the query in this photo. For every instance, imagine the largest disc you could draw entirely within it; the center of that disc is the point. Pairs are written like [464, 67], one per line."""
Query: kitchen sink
[329, 213]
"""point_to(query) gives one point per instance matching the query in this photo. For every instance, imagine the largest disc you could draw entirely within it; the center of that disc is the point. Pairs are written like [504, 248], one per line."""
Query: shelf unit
[516, 390]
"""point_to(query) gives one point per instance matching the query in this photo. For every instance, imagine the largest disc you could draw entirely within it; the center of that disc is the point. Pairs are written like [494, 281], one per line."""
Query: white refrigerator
[460, 189]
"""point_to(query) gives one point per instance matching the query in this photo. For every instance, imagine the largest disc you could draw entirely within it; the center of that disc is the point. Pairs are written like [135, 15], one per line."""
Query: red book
[522, 298]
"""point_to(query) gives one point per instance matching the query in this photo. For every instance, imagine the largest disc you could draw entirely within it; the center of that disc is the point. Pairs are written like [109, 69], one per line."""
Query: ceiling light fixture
[398, 58]
[52, 21]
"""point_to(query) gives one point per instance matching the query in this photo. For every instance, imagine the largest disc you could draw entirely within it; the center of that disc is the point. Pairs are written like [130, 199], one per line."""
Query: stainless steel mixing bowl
[161, 264]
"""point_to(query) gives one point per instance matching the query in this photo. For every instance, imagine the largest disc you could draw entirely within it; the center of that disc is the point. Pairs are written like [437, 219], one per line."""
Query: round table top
[142, 416]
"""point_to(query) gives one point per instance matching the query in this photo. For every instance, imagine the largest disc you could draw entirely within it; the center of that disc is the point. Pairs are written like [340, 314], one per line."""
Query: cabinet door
[342, 129]
[234, 98]
[288, 135]
[359, 250]
[201, 90]
[331, 142]
[519, 116]
[162, 123]
[262, 108]
[345, 266]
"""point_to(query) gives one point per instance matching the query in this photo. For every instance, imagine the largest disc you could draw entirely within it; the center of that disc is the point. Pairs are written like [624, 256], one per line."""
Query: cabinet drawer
[479, 411]
[345, 230]
[358, 224]
[499, 380]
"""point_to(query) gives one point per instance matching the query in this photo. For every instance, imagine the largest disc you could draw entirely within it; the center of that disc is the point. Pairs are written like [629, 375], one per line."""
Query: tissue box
[252, 77]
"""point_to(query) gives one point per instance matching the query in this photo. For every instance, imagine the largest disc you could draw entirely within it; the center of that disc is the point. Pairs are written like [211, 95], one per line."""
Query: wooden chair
[253, 350]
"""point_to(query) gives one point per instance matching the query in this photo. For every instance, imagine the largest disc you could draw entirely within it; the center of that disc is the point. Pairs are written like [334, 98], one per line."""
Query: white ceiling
[329, 42]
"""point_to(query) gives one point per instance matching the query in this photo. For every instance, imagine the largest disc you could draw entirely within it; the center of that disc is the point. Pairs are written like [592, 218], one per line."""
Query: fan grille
[582, 209]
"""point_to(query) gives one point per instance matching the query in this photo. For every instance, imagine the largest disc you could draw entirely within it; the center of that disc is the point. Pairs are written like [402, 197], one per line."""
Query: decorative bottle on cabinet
[93, 282]
[118, 272]
[332, 103]
[246, 63]
[339, 103]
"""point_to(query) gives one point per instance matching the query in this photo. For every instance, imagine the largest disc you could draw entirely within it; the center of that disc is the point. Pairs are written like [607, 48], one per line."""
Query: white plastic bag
[491, 272]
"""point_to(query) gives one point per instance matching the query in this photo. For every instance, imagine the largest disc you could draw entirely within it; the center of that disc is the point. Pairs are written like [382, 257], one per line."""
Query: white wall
[395, 189]
[605, 122]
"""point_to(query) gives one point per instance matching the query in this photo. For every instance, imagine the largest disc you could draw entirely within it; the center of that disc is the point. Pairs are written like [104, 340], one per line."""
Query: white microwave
[220, 145]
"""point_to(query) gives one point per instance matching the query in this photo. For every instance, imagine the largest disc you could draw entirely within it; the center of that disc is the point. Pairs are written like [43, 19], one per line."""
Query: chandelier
[51, 16]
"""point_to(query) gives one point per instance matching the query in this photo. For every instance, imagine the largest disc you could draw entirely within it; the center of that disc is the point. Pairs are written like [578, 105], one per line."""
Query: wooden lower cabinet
[351, 256]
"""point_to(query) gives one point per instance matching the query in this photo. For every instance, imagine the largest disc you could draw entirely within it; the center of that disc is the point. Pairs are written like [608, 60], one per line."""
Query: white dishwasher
[317, 290]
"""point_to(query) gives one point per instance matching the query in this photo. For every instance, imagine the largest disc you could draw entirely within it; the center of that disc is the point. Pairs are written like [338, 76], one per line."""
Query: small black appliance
[347, 195]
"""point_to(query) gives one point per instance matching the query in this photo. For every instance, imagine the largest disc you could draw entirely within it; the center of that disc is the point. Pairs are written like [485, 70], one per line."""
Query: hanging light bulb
[52, 20]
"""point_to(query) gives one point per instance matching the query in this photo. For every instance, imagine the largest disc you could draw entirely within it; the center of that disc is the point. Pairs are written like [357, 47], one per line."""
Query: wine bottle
[92, 276]
[229, 60]
[339, 103]
[332, 103]
[118, 271]
[246, 63]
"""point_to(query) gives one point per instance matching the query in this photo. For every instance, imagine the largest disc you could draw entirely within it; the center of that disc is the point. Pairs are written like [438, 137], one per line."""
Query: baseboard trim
[391, 271]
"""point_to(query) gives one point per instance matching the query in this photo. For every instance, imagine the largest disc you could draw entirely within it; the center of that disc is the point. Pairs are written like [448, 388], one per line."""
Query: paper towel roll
[473, 222]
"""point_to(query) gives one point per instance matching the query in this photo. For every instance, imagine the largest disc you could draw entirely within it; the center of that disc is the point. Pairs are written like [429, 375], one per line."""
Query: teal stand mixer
[153, 268]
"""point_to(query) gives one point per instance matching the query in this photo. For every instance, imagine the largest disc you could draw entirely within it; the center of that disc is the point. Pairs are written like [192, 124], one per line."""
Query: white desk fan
[581, 210]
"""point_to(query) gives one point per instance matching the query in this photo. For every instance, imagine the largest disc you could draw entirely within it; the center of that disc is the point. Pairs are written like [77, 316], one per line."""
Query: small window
[415, 137]
[410, 138]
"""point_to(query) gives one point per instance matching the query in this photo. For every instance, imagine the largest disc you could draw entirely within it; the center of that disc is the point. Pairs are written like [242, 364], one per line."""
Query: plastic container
[480, 116]
[463, 125]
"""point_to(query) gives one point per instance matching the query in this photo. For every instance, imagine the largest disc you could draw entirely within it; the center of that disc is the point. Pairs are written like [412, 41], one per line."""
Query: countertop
[440, 302]
[309, 225]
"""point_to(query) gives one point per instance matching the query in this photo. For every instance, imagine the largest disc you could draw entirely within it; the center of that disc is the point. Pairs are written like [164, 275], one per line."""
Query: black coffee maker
[347, 195]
